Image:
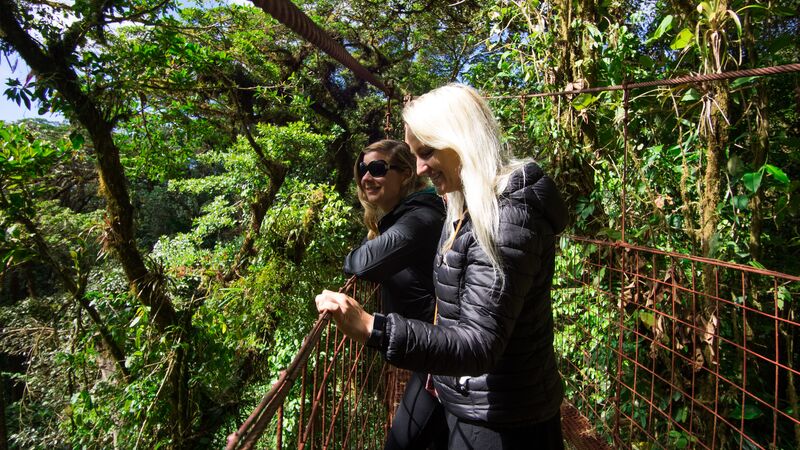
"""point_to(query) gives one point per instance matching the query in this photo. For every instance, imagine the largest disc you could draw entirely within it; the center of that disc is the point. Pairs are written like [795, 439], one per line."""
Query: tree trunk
[343, 161]
[180, 399]
[259, 207]
[3, 431]
[571, 155]
[587, 72]
[714, 129]
[53, 64]
[716, 135]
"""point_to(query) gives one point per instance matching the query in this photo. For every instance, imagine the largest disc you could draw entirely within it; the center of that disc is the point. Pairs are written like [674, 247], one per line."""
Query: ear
[409, 176]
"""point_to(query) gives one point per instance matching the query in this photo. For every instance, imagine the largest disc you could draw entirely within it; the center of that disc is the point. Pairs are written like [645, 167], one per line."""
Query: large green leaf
[741, 82]
[691, 95]
[749, 412]
[779, 175]
[583, 101]
[682, 40]
[739, 201]
[663, 27]
[752, 180]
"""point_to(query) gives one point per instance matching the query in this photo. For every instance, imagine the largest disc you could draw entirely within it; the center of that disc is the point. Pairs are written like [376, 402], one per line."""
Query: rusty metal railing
[665, 350]
[333, 395]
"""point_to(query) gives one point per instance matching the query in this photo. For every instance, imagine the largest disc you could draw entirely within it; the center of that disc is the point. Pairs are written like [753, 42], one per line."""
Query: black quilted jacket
[400, 258]
[492, 349]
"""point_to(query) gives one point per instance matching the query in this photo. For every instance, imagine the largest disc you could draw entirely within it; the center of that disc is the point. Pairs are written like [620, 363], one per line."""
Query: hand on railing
[349, 316]
[333, 376]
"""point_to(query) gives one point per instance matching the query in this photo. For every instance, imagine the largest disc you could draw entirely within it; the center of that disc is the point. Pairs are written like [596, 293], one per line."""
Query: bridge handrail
[245, 437]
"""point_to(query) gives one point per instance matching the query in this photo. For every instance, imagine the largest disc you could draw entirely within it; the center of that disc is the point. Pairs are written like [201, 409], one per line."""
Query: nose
[366, 174]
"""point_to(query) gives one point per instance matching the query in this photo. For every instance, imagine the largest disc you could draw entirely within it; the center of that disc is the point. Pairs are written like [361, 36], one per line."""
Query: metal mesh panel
[663, 350]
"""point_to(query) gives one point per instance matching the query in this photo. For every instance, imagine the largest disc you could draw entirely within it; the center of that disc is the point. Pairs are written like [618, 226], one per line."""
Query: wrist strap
[377, 339]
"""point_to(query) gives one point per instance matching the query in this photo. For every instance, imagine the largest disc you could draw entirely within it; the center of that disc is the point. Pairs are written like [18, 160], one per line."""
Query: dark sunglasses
[377, 168]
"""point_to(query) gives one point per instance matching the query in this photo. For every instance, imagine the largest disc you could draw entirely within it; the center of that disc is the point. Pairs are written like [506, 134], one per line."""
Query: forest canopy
[161, 245]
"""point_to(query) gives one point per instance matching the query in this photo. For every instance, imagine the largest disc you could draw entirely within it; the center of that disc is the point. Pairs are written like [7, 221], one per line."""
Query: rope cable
[290, 15]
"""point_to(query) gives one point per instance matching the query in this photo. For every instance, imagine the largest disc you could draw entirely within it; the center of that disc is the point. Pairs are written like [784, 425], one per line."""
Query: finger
[319, 299]
[328, 305]
[325, 296]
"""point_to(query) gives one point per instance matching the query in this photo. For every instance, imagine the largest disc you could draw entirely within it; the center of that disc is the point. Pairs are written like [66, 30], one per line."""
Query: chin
[441, 189]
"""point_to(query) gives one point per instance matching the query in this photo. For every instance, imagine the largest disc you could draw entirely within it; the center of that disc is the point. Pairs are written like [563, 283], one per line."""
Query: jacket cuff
[378, 339]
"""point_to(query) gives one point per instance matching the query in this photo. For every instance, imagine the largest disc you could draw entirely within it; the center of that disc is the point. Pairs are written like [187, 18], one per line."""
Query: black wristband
[377, 339]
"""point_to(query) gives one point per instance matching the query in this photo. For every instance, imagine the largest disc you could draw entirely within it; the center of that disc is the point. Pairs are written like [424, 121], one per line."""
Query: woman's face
[442, 166]
[382, 191]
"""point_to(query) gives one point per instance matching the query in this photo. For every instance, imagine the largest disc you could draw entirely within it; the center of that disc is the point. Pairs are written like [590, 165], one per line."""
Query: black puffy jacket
[401, 257]
[492, 349]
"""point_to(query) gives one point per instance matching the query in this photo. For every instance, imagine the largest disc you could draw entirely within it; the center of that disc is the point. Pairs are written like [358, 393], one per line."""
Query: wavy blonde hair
[455, 116]
[397, 153]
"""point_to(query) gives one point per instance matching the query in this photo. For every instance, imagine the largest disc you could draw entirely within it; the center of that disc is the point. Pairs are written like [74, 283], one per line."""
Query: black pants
[466, 435]
[419, 422]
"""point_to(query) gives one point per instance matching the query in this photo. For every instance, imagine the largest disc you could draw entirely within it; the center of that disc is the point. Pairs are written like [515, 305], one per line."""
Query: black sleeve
[394, 250]
[489, 308]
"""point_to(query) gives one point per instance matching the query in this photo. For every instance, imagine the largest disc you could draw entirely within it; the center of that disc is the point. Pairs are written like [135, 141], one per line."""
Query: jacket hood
[530, 185]
[425, 198]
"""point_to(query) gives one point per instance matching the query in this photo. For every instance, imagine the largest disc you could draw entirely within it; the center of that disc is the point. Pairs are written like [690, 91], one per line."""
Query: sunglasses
[377, 168]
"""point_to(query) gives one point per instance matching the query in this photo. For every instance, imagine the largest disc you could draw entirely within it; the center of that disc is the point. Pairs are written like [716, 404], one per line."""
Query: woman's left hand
[348, 314]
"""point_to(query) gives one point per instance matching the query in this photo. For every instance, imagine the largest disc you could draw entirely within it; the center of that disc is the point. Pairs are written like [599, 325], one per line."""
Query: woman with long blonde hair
[491, 348]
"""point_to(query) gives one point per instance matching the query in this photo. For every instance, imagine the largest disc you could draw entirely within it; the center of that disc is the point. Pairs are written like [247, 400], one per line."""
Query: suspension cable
[290, 15]
[787, 68]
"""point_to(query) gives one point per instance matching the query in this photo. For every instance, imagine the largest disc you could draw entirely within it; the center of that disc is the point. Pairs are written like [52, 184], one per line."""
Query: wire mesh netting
[336, 394]
[663, 350]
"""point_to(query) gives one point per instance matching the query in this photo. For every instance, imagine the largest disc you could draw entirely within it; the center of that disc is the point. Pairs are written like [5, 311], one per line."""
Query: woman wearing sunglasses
[491, 349]
[404, 220]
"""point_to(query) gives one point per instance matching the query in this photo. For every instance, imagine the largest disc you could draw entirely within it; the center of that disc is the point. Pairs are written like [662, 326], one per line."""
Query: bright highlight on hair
[455, 116]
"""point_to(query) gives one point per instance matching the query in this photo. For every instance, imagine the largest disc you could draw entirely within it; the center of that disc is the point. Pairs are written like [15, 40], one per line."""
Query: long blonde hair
[397, 154]
[455, 116]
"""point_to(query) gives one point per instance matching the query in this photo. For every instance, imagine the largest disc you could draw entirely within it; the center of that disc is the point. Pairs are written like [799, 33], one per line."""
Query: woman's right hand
[348, 314]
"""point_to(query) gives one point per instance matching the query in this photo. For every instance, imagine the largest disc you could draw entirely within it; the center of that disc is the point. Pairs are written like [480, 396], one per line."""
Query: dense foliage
[161, 247]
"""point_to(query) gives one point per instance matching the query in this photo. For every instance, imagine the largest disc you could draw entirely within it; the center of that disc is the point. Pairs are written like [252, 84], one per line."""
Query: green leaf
[742, 81]
[648, 318]
[666, 25]
[682, 415]
[13, 231]
[783, 11]
[735, 18]
[682, 40]
[583, 101]
[780, 43]
[750, 412]
[740, 201]
[611, 233]
[779, 175]
[593, 31]
[76, 139]
[691, 95]
[784, 296]
[752, 180]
